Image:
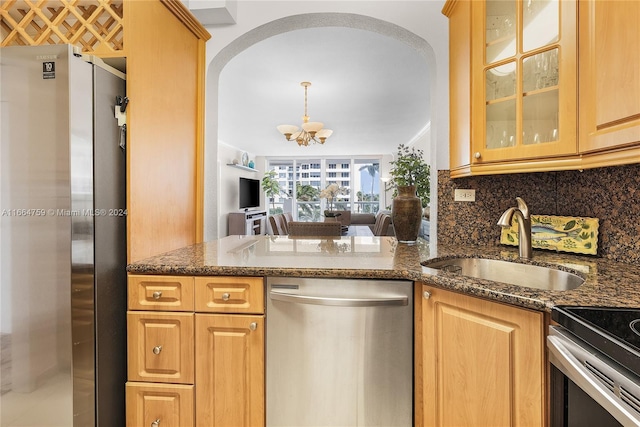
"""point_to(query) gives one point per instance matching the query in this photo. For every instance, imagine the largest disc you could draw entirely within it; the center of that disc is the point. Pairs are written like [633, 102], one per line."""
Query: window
[304, 181]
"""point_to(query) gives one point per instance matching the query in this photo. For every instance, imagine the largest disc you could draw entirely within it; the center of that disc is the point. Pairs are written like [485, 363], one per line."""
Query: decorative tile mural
[557, 233]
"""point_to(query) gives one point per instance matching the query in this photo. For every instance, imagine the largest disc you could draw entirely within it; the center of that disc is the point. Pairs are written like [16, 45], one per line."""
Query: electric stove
[595, 373]
[611, 330]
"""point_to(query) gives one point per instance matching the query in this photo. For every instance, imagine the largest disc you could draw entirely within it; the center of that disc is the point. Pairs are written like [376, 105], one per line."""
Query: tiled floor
[48, 406]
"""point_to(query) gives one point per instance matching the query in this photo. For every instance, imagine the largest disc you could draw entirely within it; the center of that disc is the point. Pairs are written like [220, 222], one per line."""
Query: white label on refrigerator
[49, 70]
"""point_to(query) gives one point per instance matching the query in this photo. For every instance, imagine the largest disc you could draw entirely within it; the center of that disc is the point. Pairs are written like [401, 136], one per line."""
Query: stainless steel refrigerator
[63, 240]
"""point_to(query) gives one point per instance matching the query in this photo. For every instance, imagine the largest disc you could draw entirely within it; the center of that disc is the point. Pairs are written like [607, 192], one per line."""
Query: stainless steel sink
[514, 273]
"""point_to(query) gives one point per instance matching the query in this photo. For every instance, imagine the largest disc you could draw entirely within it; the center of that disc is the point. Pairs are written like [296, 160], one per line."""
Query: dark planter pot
[406, 214]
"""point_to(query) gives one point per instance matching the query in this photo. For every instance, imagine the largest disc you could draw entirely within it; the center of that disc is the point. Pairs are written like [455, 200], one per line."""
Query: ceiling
[370, 89]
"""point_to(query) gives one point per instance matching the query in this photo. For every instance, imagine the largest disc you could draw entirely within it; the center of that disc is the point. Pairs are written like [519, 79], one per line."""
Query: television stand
[248, 223]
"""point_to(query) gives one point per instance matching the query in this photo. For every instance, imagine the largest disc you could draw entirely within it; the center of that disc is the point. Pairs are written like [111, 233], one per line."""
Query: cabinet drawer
[159, 405]
[160, 347]
[168, 293]
[229, 294]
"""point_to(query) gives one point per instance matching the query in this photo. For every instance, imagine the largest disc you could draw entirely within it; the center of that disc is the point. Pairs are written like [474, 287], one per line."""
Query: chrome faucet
[524, 226]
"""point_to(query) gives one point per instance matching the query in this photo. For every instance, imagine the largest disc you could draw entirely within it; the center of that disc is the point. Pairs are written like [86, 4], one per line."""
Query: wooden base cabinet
[157, 405]
[482, 362]
[195, 351]
[230, 370]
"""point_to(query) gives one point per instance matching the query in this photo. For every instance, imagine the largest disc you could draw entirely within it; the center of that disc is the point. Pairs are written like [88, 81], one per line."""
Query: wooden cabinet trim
[186, 17]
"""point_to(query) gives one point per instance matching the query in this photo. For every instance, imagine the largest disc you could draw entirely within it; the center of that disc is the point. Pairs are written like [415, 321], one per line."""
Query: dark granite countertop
[608, 283]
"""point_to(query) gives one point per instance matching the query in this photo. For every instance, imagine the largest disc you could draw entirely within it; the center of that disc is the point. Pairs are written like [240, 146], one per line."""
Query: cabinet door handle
[226, 296]
[477, 155]
[253, 326]
[156, 423]
[157, 349]
[426, 294]
[156, 295]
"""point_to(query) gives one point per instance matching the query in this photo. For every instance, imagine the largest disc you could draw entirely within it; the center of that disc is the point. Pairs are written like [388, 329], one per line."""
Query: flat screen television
[249, 192]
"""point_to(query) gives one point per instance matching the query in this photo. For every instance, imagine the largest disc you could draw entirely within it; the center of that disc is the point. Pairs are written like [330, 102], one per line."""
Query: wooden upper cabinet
[459, 14]
[543, 92]
[609, 84]
[513, 84]
[523, 80]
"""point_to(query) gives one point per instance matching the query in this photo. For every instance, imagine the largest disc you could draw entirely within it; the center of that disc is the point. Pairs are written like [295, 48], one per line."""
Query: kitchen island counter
[608, 283]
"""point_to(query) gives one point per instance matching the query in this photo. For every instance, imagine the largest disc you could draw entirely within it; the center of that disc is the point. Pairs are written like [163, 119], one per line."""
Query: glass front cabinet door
[524, 80]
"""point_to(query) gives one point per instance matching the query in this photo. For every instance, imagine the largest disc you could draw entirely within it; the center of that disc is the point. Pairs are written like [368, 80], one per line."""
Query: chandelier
[311, 132]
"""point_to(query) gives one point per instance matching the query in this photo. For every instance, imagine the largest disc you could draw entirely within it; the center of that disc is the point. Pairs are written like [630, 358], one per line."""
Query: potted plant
[331, 193]
[271, 188]
[411, 181]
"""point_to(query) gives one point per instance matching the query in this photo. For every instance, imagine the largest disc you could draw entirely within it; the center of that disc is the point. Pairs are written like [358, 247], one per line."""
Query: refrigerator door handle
[341, 302]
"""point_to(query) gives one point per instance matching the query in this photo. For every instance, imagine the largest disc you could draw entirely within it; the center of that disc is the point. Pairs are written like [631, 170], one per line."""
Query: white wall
[418, 23]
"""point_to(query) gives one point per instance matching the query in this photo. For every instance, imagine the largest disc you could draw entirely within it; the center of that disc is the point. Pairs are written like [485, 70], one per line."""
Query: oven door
[587, 388]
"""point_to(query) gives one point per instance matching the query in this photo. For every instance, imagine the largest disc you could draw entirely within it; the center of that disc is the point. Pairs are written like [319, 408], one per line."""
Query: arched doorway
[273, 28]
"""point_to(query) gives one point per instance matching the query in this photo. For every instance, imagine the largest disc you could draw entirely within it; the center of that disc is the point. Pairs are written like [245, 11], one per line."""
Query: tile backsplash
[610, 194]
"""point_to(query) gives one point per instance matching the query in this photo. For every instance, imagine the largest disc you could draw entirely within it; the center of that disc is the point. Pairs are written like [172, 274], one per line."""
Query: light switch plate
[460, 195]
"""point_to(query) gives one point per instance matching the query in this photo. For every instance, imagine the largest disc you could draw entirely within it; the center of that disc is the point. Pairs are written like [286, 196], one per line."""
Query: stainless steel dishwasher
[339, 352]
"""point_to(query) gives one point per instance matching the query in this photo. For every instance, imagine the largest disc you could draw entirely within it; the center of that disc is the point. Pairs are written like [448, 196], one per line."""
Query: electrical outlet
[464, 195]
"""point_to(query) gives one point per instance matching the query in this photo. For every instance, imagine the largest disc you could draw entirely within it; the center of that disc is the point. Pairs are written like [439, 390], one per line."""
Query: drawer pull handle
[226, 296]
[253, 326]
[157, 295]
[156, 423]
[157, 349]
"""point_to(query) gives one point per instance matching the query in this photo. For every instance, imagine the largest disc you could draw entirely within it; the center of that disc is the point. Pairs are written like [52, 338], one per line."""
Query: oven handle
[340, 302]
[561, 357]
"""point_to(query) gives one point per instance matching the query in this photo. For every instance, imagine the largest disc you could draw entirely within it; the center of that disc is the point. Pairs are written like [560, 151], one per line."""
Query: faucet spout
[524, 226]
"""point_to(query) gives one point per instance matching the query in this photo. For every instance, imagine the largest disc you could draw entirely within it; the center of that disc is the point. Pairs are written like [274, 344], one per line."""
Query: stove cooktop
[613, 331]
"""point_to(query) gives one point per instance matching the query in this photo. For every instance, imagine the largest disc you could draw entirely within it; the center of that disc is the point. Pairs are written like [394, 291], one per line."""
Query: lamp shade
[312, 126]
[324, 133]
[287, 129]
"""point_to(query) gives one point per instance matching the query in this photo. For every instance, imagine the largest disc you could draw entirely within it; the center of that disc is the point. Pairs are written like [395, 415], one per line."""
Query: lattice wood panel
[93, 25]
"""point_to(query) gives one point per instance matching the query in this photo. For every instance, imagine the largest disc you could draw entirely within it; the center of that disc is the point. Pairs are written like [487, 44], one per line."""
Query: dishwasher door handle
[341, 302]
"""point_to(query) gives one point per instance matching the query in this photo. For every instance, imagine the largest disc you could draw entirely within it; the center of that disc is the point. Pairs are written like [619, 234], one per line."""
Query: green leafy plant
[271, 187]
[331, 193]
[409, 168]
